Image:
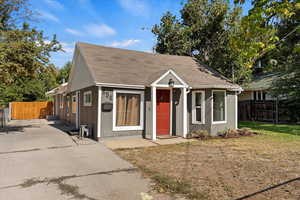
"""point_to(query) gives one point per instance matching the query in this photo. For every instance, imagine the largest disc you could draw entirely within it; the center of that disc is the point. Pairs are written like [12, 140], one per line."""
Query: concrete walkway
[138, 142]
[42, 162]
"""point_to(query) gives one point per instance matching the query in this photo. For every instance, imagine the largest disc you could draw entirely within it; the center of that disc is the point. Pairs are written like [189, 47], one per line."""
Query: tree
[23, 52]
[25, 71]
[12, 12]
[217, 35]
[205, 30]
[64, 72]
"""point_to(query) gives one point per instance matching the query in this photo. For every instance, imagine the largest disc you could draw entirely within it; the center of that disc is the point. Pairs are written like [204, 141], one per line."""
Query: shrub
[202, 134]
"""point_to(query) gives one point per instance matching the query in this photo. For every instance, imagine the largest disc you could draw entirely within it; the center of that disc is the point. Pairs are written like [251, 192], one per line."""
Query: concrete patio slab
[129, 143]
[177, 140]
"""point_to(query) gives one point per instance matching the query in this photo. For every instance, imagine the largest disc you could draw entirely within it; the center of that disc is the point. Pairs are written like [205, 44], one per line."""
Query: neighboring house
[120, 92]
[256, 102]
[61, 102]
[259, 88]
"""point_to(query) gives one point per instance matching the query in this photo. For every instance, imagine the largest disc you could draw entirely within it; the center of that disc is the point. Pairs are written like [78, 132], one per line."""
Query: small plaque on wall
[107, 107]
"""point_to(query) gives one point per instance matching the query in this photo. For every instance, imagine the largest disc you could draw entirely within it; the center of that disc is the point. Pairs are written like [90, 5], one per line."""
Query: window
[219, 106]
[255, 95]
[87, 98]
[259, 95]
[74, 104]
[198, 106]
[128, 110]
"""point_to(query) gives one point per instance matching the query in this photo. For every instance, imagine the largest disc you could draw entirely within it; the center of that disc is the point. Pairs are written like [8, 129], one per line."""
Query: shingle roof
[262, 82]
[120, 66]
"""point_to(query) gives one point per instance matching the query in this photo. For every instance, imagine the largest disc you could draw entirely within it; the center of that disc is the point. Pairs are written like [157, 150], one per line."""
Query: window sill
[198, 123]
[220, 122]
[87, 104]
[128, 128]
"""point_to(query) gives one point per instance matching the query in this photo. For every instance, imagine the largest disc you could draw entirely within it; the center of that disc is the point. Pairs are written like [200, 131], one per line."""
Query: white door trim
[153, 99]
[184, 93]
[99, 111]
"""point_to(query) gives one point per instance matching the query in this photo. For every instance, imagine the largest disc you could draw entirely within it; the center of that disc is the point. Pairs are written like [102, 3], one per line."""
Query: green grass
[272, 129]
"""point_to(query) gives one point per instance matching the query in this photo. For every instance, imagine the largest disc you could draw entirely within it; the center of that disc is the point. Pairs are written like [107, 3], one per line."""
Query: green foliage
[12, 11]
[25, 72]
[218, 35]
[23, 52]
[64, 73]
[207, 30]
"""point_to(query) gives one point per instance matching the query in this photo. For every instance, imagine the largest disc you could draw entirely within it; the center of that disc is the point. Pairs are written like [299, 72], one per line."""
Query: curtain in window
[219, 106]
[128, 109]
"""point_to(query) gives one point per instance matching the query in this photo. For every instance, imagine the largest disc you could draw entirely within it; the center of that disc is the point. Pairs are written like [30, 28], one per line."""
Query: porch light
[171, 83]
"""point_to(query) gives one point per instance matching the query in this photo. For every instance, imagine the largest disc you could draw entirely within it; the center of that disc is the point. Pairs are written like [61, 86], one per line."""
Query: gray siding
[213, 129]
[107, 117]
[177, 125]
[89, 114]
[148, 113]
[208, 115]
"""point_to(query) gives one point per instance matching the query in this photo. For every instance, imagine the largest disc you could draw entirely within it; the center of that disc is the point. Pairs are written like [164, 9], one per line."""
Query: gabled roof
[120, 66]
[58, 90]
[263, 81]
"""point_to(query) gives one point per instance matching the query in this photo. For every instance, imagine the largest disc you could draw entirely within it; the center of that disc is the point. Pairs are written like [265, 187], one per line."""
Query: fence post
[9, 111]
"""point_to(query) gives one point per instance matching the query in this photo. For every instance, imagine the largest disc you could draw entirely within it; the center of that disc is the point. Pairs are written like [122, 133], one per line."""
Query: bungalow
[120, 92]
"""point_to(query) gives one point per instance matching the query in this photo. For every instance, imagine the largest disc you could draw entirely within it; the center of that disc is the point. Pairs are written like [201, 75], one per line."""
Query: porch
[169, 106]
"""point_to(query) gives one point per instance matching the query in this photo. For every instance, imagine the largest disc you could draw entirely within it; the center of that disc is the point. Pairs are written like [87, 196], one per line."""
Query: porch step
[167, 136]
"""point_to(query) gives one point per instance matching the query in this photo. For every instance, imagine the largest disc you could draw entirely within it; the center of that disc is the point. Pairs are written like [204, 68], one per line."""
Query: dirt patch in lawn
[224, 169]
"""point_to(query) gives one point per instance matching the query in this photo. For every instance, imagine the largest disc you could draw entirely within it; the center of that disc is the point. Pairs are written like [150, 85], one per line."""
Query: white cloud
[102, 30]
[54, 4]
[48, 16]
[135, 7]
[125, 43]
[73, 31]
[68, 47]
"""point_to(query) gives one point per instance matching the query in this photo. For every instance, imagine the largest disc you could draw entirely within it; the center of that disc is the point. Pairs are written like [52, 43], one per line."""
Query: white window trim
[212, 107]
[74, 96]
[128, 128]
[194, 121]
[84, 98]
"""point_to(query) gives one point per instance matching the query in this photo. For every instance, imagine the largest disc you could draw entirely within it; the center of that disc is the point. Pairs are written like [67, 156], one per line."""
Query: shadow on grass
[279, 128]
[269, 188]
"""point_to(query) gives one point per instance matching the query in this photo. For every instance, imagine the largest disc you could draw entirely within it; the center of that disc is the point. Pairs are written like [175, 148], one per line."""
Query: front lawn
[226, 168]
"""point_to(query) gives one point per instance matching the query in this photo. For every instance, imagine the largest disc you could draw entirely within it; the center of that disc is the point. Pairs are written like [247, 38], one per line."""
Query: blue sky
[116, 23]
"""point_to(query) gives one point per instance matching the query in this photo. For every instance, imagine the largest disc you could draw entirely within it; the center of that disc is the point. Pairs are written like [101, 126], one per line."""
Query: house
[259, 88]
[120, 92]
[256, 102]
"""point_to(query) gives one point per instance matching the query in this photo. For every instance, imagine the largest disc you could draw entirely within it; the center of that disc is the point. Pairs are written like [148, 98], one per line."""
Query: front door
[162, 112]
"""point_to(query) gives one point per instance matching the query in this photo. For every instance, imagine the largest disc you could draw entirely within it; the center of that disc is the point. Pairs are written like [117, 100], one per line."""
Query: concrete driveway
[39, 161]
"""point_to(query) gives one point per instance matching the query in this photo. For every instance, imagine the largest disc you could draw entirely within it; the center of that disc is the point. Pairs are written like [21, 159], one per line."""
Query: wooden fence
[31, 110]
[265, 111]
[258, 111]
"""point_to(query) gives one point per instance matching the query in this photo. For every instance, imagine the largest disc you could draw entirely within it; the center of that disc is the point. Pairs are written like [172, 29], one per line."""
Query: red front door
[163, 112]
